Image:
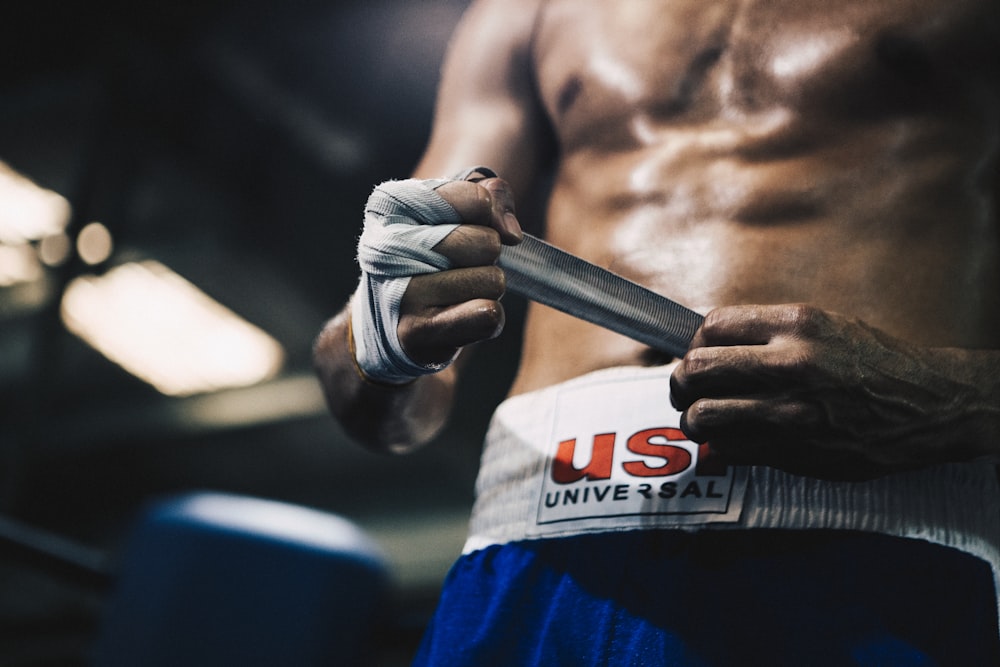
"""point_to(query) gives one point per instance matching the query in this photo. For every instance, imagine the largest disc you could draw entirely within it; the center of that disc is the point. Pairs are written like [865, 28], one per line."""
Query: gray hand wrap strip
[404, 220]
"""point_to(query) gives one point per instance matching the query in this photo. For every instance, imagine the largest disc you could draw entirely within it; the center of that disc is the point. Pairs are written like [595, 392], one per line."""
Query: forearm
[969, 410]
[384, 418]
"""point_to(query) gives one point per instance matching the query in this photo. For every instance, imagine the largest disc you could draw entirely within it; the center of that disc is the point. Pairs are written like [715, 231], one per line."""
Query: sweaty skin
[819, 178]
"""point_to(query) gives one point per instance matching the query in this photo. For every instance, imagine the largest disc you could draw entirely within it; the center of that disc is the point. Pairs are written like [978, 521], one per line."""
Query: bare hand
[444, 311]
[814, 393]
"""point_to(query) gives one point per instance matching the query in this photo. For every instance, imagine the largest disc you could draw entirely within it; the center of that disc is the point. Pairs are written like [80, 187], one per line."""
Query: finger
[504, 209]
[448, 288]
[434, 337]
[489, 203]
[730, 325]
[757, 325]
[757, 432]
[750, 419]
[470, 245]
[713, 372]
[789, 435]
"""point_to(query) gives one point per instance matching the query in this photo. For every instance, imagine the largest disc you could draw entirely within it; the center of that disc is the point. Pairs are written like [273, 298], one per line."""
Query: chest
[692, 60]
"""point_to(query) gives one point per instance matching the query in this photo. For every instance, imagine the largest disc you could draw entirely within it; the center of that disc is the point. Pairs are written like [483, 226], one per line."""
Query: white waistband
[957, 505]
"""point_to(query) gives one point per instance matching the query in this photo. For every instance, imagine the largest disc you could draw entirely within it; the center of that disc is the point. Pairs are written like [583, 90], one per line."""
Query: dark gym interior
[235, 144]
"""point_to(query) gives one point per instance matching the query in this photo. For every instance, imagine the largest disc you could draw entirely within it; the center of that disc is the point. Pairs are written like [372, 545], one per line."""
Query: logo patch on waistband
[617, 459]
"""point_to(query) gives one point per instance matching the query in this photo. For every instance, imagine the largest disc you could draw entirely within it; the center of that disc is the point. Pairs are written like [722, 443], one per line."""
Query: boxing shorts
[601, 536]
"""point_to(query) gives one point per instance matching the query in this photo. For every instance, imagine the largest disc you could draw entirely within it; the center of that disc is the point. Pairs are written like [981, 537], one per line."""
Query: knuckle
[794, 357]
[805, 320]
[472, 201]
[713, 320]
[697, 361]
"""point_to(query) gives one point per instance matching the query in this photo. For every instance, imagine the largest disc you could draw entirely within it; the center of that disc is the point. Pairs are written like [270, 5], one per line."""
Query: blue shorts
[761, 597]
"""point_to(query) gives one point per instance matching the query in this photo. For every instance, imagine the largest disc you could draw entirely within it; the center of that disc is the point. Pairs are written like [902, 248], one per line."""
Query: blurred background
[181, 188]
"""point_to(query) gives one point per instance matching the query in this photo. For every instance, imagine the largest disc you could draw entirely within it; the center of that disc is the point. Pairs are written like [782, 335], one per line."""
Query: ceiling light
[94, 243]
[54, 250]
[164, 330]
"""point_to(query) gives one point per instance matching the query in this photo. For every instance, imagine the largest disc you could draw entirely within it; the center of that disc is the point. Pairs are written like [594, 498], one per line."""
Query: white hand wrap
[404, 220]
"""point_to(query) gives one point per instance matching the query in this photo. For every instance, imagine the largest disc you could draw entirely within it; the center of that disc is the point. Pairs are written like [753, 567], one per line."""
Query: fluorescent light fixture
[164, 330]
[94, 243]
[54, 250]
[28, 212]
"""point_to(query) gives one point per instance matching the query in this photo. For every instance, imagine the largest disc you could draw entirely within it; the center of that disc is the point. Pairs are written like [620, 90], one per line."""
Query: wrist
[382, 418]
[975, 395]
[352, 351]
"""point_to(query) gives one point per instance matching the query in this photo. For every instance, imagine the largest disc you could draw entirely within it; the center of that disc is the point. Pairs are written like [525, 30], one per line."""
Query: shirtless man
[820, 179]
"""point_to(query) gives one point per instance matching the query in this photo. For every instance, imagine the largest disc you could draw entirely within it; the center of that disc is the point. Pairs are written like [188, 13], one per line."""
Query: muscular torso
[842, 154]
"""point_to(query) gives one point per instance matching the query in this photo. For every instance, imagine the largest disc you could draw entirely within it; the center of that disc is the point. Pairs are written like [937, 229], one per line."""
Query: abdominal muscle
[758, 152]
[848, 226]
